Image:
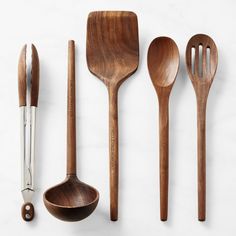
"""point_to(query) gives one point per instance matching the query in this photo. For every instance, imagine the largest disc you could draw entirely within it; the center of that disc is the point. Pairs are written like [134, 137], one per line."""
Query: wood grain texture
[71, 200]
[71, 112]
[22, 77]
[34, 77]
[27, 211]
[113, 151]
[163, 64]
[201, 72]
[112, 55]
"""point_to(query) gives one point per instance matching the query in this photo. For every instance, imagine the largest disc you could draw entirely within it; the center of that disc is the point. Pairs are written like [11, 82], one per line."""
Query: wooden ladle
[72, 200]
[163, 64]
[201, 61]
[112, 55]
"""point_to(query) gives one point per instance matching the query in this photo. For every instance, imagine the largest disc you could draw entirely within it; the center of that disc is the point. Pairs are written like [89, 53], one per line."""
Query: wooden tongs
[28, 87]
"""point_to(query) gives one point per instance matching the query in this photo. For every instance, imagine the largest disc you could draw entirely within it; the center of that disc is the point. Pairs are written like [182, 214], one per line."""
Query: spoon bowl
[163, 61]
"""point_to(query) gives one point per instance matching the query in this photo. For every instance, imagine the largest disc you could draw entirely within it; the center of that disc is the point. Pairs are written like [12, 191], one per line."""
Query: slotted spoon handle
[113, 151]
[201, 149]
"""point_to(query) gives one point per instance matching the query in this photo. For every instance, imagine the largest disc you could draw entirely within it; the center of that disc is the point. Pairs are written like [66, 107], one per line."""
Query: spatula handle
[71, 113]
[164, 158]
[201, 149]
[113, 152]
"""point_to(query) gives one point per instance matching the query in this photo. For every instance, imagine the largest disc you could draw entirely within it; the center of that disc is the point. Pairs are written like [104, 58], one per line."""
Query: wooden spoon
[201, 61]
[112, 55]
[72, 200]
[163, 64]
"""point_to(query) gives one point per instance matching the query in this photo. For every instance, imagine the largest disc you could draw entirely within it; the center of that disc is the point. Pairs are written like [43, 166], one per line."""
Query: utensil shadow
[174, 101]
[41, 131]
[126, 88]
[214, 97]
[99, 222]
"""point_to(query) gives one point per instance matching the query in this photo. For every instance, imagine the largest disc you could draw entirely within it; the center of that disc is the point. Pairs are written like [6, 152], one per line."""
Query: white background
[49, 24]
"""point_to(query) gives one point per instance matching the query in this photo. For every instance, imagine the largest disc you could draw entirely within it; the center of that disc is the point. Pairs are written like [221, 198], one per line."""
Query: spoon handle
[113, 151]
[164, 159]
[71, 126]
[201, 149]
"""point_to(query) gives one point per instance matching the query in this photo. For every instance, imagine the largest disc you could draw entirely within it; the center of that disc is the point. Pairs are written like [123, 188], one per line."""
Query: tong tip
[34, 76]
[22, 77]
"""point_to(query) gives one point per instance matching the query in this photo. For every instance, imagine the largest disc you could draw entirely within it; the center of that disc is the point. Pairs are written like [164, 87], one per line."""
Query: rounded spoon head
[163, 61]
[72, 200]
[201, 58]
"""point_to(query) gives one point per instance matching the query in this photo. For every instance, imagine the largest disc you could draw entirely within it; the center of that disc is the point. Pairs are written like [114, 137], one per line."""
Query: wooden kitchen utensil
[28, 87]
[72, 200]
[163, 64]
[201, 61]
[112, 55]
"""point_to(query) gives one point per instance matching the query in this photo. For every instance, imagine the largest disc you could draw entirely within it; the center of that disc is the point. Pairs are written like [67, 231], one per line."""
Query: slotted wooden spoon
[112, 55]
[201, 61]
[163, 65]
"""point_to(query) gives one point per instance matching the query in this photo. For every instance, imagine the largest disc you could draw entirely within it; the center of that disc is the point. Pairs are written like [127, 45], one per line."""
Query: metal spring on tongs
[28, 86]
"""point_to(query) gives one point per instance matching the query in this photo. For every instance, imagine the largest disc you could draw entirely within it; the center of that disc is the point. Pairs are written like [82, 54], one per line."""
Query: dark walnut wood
[72, 200]
[27, 211]
[112, 56]
[163, 64]
[201, 61]
[22, 77]
[35, 77]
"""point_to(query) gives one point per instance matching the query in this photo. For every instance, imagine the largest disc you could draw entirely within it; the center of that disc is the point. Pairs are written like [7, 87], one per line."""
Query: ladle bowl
[71, 200]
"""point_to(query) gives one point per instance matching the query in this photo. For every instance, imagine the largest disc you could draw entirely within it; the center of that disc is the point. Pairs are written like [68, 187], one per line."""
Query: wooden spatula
[112, 55]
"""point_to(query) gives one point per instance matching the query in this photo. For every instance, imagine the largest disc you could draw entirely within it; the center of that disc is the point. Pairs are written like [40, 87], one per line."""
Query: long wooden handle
[201, 149]
[113, 152]
[71, 113]
[164, 158]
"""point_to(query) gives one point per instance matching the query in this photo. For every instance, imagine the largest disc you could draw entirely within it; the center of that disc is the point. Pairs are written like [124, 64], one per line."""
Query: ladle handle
[113, 151]
[71, 113]
[164, 151]
[201, 153]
